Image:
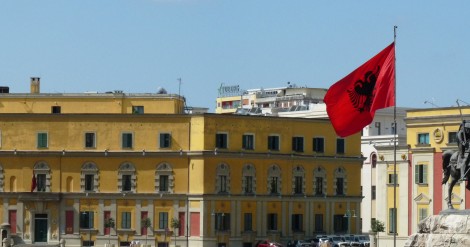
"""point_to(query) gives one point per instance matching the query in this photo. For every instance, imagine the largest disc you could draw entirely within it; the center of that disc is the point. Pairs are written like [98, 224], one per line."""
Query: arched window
[274, 180]
[373, 160]
[43, 177]
[126, 177]
[164, 179]
[89, 178]
[319, 181]
[222, 183]
[340, 182]
[298, 180]
[249, 179]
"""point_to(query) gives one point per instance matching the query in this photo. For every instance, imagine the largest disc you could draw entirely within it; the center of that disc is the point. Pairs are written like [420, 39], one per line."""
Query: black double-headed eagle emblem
[362, 95]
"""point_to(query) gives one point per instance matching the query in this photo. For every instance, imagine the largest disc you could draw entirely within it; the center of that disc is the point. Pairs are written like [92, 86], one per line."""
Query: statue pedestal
[450, 228]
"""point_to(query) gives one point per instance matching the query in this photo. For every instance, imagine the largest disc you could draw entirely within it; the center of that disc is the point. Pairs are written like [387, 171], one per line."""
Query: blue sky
[140, 45]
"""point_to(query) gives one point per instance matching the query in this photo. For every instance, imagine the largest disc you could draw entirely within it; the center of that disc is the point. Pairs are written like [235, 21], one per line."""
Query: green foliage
[175, 223]
[109, 222]
[377, 226]
[146, 223]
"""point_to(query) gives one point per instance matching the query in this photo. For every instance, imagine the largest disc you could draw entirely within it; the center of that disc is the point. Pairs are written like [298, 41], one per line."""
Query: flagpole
[395, 142]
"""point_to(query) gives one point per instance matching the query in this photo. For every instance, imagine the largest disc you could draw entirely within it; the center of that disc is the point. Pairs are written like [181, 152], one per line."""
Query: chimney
[35, 85]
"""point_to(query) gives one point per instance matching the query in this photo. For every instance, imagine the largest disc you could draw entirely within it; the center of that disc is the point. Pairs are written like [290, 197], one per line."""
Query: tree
[175, 223]
[146, 223]
[377, 226]
[109, 223]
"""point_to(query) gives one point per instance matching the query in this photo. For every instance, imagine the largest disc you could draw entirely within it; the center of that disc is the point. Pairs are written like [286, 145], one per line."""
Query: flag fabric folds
[352, 101]
[33, 183]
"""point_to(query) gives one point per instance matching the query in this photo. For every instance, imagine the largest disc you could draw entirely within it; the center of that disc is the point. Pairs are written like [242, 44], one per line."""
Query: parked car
[303, 243]
[363, 239]
[338, 241]
[324, 242]
[352, 241]
[314, 241]
[267, 243]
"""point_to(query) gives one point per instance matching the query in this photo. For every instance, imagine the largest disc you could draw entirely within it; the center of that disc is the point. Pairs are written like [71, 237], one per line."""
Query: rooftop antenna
[459, 100]
[431, 103]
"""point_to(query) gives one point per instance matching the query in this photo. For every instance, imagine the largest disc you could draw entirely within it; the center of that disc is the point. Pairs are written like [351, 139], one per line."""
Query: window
[248, 184]
[421, 174]
[391, 220]
[162, 220]
[127, 140]
[273, 143]
[90, 140]
[392, 178]
[164, 178]
[339, 186]
[42, 140]
[55, 109]
[340, 223]
[374, 160]
[340, 146]
[41, 182]
[126, 183]
[86, 220]
[126, 220]
[163, 183]
[89, 182]
[248, 142]
[272, 222]
[248, 179]
[374, 192]
[222, 222]
[423, 138]
[297, 222]
[222, 179]
[318, 222]
[298, 188]
[274, 181]
[297, 144]
[393, 129]
[165, 140]
[221, 140]
[319, 145]
[319, 186]
[377, 125]
[423, 213]
[453, 138]
[248, 220]
[138, 109]
[223, 183]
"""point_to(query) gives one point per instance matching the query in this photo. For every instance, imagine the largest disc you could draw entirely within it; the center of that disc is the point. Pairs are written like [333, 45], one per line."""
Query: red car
[267, 243]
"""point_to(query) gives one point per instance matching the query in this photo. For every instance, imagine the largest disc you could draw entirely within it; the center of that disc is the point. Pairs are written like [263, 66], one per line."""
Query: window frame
[248, 222]
[125, 140]
[274, 142]
[297, 222]
[340, 146]
[162, 220]
[318, 145]
[164, 140]
[248, 141]
[126, 220]
[93, 145]
[221, 140]
[40, 137]
[298, 144]
[421, 174]
[138, 109]
[86, 217]
[423, 138]
[272, 222]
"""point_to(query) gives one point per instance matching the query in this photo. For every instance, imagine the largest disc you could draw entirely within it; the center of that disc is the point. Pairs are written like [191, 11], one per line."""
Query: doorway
[40, 228]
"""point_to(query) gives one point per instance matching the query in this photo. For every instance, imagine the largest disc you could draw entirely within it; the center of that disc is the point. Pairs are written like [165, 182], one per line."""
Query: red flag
[33, 183]
[351, 102]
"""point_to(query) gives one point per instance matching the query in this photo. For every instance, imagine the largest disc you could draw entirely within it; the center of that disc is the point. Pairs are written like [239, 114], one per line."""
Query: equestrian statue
[455, 163]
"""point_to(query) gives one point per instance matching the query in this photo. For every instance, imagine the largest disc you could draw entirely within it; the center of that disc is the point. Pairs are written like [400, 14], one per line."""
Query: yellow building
[430, 132]
[201, 180]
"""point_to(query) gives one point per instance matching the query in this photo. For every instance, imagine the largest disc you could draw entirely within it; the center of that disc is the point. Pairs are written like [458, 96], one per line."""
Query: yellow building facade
[201, 180]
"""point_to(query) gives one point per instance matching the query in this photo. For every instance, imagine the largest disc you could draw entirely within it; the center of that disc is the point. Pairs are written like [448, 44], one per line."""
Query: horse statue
[452, 161]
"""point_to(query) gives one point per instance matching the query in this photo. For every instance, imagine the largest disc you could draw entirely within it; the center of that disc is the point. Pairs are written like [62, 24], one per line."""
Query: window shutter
[244, 142]
[417, 174]
[425, 174]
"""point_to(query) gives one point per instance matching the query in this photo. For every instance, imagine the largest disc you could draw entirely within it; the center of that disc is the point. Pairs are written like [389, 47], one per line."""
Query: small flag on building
[33, 183]
[351, 102]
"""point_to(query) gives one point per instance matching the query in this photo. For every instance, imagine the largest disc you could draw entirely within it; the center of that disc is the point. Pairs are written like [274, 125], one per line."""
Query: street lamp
[350, 214]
